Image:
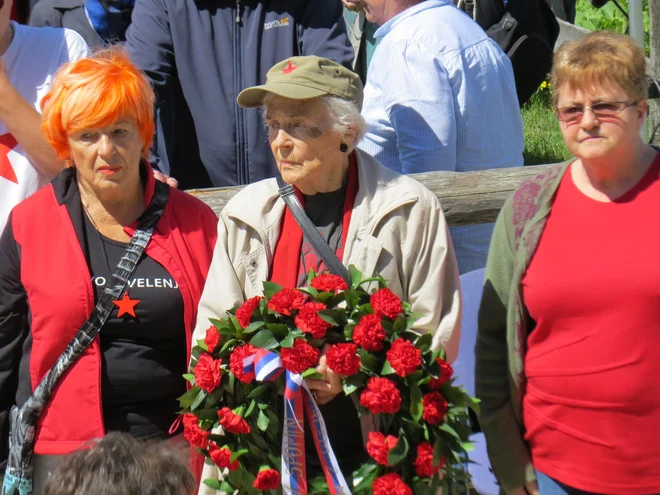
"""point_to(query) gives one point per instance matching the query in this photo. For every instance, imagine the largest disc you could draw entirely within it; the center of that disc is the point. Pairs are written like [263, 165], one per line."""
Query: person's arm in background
[23, 121]
[420, 104]
[322, 31]
[149, 44]
[43, 14]
[13, 331]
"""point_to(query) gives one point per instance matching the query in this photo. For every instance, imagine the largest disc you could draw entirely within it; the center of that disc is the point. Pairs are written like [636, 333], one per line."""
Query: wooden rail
[467, 198]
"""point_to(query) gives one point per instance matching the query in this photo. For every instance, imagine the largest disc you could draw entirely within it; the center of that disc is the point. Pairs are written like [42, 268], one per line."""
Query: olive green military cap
[301, 78]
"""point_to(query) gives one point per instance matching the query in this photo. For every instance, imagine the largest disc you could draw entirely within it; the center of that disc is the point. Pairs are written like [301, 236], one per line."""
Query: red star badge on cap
[7, 143]
[126, 305]
[289, 68]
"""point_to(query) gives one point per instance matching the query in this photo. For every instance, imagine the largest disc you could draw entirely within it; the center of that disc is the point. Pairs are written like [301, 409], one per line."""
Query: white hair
[344, 115]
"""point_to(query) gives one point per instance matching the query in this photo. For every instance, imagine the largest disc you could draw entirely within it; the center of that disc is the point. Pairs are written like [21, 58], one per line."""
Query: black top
[143, 343]
[326, 211]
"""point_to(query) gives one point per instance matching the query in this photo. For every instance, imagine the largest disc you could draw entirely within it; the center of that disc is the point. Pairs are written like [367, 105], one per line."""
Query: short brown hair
[601, 58]
[118, 464]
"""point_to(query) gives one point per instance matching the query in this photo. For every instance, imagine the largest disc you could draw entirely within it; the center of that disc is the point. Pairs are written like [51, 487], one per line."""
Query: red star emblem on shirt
[289, 68]
[126, 305]
[7, 143]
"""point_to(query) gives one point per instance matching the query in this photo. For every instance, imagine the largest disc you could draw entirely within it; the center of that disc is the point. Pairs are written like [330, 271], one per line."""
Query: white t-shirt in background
[31, 60]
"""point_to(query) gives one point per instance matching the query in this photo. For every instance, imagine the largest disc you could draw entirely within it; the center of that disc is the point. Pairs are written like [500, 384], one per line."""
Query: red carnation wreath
[370, 340]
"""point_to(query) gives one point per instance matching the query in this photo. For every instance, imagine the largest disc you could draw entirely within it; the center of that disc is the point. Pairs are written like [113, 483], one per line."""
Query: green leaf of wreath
[355, 276]
[387, 369]
[198, 400]
[270, 288]
[264, 340]
[399, 451]
[214, 484]
[416, 398]
[423, 343]
[253, 327]
[263, 421]
[353, 382]
[287, 343]
[187, 399]
[257, 392]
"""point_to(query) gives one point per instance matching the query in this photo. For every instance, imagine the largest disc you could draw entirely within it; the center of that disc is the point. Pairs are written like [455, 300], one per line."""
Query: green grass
[543, 141]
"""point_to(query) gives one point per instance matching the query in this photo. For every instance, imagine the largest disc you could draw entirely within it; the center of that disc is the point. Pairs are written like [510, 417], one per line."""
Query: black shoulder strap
[287, 192]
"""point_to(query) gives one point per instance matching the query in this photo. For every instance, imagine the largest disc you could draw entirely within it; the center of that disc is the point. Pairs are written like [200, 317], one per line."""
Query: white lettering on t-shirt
[148, 283]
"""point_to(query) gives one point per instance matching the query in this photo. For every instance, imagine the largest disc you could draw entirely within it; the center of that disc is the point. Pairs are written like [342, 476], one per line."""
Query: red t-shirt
[592, 402]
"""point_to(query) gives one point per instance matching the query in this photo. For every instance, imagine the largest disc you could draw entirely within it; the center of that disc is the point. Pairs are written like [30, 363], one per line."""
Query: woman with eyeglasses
[568, 350]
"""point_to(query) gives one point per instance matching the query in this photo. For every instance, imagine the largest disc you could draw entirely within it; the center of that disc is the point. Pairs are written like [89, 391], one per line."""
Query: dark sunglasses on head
[604, 109]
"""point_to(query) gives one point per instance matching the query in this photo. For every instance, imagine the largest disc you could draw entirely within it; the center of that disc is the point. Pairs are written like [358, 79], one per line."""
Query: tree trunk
[654, 28]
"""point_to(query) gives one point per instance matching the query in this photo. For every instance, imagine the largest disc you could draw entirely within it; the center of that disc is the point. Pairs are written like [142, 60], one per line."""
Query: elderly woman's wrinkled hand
[330, 386]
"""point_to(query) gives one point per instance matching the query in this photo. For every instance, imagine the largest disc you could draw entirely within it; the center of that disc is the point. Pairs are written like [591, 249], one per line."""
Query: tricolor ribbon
[267, 366]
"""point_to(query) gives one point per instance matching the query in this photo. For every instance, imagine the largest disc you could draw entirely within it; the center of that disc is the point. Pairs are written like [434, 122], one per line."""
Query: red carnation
[343, 359]
[390, 484]
[446, 372]
[385, 303]
[299, 357]
[309, 321]
[222, 457]
[267, 479]
[207, 372]
[286, 301]
[379, 446]
[329, 283]
[369, 333]
[435, 408]
[236, 362]
[212, 338]
[404, 357]
[233, 423]
[193, 433]
[424, 463]
[244, 313]
[381, 396]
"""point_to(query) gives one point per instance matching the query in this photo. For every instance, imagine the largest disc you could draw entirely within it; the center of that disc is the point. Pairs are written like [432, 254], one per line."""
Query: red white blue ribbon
[267, 366]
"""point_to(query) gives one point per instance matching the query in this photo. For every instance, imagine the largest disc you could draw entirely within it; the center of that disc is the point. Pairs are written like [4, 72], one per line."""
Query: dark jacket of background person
[69, 14]
[215, 50]
[46, 295]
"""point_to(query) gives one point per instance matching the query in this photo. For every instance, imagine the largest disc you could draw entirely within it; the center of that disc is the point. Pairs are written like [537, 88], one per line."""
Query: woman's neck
[111, 215]
[334, 176]
[610, 177]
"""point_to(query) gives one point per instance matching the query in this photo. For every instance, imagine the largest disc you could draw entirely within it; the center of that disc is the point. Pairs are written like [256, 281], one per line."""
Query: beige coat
[397, 229]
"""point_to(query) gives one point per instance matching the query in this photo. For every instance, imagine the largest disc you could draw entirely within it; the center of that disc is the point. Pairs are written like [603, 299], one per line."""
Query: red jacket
[46, 234]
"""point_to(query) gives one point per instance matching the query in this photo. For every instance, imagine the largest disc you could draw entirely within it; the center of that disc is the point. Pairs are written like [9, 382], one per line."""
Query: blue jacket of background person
[201, 54]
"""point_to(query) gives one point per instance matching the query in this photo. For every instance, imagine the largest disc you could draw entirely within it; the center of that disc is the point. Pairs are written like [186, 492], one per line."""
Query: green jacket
[504, 325]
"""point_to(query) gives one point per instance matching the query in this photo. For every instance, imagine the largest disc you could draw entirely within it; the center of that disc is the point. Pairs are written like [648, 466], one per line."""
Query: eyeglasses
[574, 113]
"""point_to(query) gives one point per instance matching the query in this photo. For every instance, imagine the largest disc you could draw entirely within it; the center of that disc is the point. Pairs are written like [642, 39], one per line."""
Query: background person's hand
[330, 386]
[531, 488]
[353, 5]
[170, 181]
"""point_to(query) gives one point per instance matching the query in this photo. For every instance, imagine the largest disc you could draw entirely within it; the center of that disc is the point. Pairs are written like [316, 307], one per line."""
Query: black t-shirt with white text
[143, 343]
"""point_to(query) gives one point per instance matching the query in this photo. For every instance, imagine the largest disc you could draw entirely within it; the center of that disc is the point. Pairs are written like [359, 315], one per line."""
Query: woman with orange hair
[104, 247]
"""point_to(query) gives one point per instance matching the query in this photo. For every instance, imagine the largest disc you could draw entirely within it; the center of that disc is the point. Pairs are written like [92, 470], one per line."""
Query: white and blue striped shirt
[440, 95]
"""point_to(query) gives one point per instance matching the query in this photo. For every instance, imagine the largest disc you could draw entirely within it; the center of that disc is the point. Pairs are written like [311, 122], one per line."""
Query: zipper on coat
[241, 141]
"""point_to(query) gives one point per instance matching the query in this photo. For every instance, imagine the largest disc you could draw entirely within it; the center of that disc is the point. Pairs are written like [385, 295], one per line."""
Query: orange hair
[95, 92]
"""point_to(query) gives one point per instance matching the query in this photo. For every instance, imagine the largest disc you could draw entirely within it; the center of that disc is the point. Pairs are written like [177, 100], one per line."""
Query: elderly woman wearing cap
[372, 217]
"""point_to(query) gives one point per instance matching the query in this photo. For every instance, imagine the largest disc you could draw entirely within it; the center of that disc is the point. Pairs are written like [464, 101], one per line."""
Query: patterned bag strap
[23, 420]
